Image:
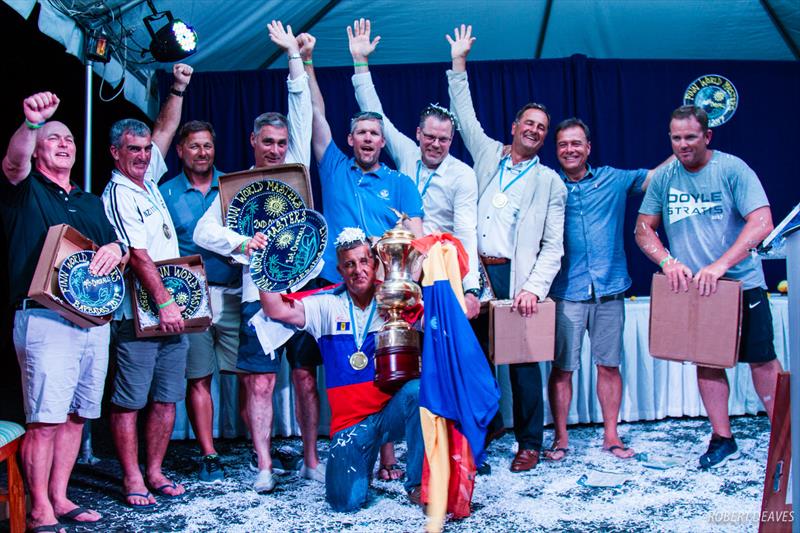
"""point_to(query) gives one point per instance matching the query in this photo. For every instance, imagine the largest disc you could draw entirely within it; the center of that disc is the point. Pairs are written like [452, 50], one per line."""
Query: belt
[604, 299]
[28, 303]
[491, 261]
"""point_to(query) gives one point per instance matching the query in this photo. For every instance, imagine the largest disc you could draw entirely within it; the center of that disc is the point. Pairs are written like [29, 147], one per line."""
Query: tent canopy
[232, 33]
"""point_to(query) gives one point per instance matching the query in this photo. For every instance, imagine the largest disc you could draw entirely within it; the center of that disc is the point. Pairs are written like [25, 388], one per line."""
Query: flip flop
[612, 449]
[47, 528]
[385, 472]
[140, 507]
[72, 516]
[555, 448]
[171, 485]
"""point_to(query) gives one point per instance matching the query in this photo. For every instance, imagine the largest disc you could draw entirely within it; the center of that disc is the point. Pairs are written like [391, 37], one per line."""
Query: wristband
[34, 125]
[308, 62]
[364, 64]
[176, 92]
[475, 292]
[168, 302]
[664, 261]
[294, 56]
[243, 247]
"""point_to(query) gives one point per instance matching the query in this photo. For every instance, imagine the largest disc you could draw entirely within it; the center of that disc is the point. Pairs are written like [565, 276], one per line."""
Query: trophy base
[396, 364]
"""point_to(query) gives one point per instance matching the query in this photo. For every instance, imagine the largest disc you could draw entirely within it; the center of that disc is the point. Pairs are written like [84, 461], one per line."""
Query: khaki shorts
[216, 348]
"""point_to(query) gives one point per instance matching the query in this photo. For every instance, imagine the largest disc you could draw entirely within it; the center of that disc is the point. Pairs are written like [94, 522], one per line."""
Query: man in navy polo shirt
[589, 289]
[63, 365]
[188, 195]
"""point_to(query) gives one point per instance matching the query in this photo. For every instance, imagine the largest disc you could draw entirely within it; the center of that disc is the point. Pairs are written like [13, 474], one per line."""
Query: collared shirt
[186, 205]
[497, 225]
[29, 209]
[594, 254]
[139, 215]
[352, 393]
[212, 234]
[449, 193]
[351, 197]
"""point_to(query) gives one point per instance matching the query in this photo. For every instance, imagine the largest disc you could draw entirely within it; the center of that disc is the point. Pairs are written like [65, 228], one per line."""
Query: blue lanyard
[359, 339]
[503, 167]
[428, 183]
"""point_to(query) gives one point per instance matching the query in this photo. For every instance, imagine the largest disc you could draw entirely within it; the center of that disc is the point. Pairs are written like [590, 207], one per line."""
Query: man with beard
[520, 228]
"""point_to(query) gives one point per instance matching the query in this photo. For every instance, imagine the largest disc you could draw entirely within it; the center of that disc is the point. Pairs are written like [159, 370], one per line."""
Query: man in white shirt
[448, 186]
[276, 139]
[148, 370]
[520, 228]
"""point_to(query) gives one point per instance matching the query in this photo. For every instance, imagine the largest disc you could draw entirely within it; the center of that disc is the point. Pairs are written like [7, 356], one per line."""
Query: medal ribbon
[503, 167]
[360, 339]
[427, 183]
[157, 208]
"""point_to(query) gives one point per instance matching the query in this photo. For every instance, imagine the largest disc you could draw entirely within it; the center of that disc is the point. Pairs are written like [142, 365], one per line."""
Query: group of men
[539, 233]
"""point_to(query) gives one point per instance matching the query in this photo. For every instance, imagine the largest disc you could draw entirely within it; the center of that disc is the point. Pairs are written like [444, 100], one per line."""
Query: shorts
[63, 366]
[301, 349]
[149, 368]
[216, 348]
[605, 321]
[756, 344]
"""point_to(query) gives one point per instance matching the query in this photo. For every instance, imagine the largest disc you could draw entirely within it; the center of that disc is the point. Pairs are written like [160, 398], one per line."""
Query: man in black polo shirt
[63, 366]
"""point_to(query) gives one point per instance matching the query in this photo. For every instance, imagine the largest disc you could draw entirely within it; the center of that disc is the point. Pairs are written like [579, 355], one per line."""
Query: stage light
[173, 41]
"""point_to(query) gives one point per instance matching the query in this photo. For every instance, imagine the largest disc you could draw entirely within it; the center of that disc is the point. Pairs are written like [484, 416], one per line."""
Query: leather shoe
[525, 460]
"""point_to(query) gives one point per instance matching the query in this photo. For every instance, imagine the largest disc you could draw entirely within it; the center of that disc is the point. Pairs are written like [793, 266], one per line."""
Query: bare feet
[74, 512]
[557, 452]
[42, 517]
[136, 494]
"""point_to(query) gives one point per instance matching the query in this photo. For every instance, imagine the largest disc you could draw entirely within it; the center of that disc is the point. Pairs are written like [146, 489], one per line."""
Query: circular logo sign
[716, 95]
[295, 244]
[183, 285]
[255, 206]
[87, 293]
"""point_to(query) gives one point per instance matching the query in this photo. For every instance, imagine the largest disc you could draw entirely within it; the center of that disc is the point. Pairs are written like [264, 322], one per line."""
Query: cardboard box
[294, 175]
[61, 241]
[685, 326]
[516, 339]
[191, 325]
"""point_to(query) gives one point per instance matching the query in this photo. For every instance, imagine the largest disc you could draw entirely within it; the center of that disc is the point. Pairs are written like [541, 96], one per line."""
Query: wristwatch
[122, 247]
[475, 292]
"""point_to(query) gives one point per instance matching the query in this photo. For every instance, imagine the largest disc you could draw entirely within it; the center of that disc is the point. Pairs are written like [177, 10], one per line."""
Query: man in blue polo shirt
[188, 195]
[359, 191]
[589, 289]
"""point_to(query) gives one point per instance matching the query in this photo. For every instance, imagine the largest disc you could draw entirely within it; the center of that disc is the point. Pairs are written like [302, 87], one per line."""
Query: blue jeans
[354, 450]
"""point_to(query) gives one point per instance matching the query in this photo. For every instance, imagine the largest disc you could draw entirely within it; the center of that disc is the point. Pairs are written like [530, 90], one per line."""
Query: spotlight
[174, 41]
[97, 46]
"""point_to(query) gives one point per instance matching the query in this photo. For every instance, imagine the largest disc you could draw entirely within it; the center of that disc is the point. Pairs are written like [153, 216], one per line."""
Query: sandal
[555, 452]
[391, 472]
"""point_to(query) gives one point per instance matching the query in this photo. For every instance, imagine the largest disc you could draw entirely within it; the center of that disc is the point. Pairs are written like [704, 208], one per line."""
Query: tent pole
[87, 139]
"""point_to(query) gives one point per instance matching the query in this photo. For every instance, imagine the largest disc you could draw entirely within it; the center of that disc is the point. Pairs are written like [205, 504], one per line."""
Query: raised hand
[40, 106]
[283, 37]
[182, 74]
[306, 42]
[359, 37]
[460, 45]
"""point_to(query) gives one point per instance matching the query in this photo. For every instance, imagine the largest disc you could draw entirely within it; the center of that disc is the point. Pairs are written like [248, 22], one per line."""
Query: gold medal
[358, 361]
[167, 232]
[499, 200]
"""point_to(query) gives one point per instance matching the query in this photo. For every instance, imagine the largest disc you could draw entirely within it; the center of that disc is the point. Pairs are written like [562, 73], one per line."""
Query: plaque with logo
[87, 293]
[295, 244]
[716, 95]
[258, 204]
[185, 281]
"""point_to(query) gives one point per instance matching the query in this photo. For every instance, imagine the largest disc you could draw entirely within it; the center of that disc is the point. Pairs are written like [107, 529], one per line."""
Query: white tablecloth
[652, 389]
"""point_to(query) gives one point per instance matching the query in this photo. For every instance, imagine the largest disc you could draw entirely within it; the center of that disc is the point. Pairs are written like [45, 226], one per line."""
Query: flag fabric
[457, 383]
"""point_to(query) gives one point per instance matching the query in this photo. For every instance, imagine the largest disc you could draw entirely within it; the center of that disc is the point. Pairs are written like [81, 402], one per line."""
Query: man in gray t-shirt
[714, 211]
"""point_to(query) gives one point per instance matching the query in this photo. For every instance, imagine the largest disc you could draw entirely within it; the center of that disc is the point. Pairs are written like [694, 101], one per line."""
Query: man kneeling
[363, 417]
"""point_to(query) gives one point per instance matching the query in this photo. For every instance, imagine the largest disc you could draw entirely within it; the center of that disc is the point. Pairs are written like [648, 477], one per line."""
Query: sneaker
[720, 450]
[264, 482]
[211, 469]
[316, 474]
[485, 469]
[277, 465]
